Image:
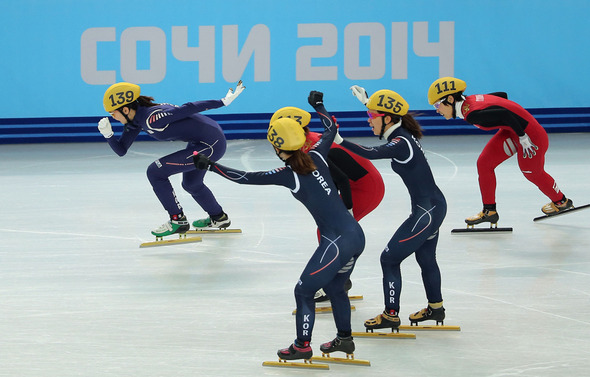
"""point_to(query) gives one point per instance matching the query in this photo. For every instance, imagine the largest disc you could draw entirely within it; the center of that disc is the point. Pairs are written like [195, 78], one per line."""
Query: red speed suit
[359, 182]
[489, 112]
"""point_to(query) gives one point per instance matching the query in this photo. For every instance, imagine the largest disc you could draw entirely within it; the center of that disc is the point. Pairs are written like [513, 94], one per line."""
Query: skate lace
[331, 343]
[167, 226]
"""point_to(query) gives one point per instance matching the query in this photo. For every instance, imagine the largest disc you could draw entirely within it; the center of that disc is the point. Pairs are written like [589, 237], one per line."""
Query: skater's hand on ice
[360, 93]
[104, 126]
[232, 95]
[315, 98]
[528, 147]
[202, 162]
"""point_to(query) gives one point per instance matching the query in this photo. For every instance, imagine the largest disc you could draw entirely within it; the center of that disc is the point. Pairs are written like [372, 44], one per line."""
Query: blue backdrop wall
[60, 56]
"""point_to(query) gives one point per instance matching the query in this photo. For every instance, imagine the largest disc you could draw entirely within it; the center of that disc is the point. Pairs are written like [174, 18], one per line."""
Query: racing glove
[104, 126]
[360, 93]
[232, 95]
[528, 147]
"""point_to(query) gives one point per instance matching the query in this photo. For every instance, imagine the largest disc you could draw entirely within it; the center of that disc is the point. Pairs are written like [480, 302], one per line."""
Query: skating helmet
[299, 115]
[120, 94]
[443, 87]
[388, 101]
[286, 134]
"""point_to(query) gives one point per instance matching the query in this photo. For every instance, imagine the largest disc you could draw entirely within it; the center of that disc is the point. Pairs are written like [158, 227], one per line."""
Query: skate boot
[295, 352]
[429, 313]
[321, 296]
[554, 208]
[178, 225]
[483, 217]
[383, 321]
[219, 222]
[344, 344]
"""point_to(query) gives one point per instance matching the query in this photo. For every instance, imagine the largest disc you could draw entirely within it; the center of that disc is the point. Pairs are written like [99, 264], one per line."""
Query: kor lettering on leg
[391, 293]
[306, 325]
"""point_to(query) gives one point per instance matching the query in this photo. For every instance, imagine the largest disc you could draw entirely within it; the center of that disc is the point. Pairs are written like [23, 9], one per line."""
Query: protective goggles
[438, 103]
[374, 115]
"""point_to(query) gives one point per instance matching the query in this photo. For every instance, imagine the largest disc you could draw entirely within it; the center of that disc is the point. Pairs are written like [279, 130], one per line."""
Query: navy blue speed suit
[178, 123]
[418, 233]
[342, 239]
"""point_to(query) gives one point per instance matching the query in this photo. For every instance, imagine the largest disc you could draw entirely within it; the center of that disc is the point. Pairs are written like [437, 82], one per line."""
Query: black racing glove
[202, 162]
[315, 98]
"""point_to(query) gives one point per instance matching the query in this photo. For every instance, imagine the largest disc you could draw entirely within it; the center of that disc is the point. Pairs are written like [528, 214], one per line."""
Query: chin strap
[278, 153]
[126, 118]
[120, 109]
[382, 128]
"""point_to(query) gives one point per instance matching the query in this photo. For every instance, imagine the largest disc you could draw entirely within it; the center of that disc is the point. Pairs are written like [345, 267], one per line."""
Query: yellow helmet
[388, 101]
[299, 115]
[443, 87]
[119, 94]
[286, 134]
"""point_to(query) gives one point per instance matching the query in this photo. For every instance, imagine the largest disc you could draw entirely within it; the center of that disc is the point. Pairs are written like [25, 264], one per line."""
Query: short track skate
[214, 231]
[160, 241]
[485, 216]
[325, 309]
[393, 334]
[430, 327]
[328, 309]
[306, 364]
[563, 212]
[349, 359]
[341, 345]
[492, 229]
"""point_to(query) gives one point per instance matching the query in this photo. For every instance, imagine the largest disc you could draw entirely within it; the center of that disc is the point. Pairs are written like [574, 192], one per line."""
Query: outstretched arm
[316, 100]
[191, 108]
[279, 177]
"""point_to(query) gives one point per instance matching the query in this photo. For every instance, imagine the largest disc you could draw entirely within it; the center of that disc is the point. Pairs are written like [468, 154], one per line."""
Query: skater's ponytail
[146, 101]
[412, 125]
[408, 122]
[301, 162]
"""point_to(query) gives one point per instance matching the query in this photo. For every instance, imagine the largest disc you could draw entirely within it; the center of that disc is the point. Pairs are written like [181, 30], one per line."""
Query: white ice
[78, 297]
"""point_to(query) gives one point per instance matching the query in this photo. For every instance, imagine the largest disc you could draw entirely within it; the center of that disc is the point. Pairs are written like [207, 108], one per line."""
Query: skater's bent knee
[193, 187]
[301, 290]
[155, 171]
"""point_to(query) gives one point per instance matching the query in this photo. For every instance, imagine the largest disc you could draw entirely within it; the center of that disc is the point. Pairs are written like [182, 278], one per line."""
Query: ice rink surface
[78, 297]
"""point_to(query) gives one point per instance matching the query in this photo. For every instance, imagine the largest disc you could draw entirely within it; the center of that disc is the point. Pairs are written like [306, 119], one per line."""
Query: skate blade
[350, 298]
[480, 230]
[341, 360]
[162, 242]
[214, 230]
[292, 364]
[573, 209]
[325, 309]
[430, 327]
[384, 335]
